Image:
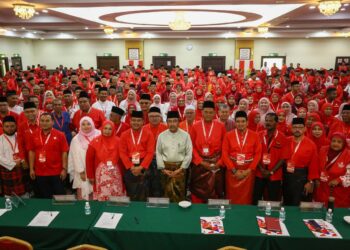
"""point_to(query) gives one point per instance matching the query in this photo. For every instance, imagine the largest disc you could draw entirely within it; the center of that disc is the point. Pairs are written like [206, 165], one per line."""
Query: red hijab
[323, 140]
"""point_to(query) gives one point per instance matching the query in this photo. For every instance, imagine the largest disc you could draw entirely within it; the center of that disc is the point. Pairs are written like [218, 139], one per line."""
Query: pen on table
[113, 216]
[51, 213]
[136, 220]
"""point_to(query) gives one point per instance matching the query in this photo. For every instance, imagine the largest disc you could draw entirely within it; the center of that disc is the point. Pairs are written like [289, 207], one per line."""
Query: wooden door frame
[109, 57]
[223, 63]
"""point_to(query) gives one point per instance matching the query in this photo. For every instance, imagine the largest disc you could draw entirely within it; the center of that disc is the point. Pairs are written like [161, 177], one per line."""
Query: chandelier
[329, 8]
[179, 22]
[263, 29]
[23, 10]
[108, 30]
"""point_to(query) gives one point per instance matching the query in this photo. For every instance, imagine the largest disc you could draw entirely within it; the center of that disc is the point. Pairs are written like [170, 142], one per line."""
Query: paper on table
[108, 220]
[2, 211]
[322, 229]
[212, 225]
[263, 230]
[43, 218]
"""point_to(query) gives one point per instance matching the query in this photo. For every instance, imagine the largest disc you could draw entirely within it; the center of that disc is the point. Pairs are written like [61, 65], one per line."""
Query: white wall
[313, 53]
[24, 47]
[192, 58]
[320, 52]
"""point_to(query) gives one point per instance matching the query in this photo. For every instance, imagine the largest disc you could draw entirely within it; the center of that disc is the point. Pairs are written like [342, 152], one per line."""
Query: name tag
[240, 159]
[290, 167]
[324, 177]
[42, 156]
[266, 158]
[135, 158]
[205, 149]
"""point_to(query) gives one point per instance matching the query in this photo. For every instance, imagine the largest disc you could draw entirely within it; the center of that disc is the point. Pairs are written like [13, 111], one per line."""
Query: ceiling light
[329, 8]
[312, 7]
[86, 28]
[346, 4]
[342, 9]
[45, 11]
[23, 10]
[179, 22]
[37, 13]
[288, 26]
[263, 29]
[23, 28]
[108, 30]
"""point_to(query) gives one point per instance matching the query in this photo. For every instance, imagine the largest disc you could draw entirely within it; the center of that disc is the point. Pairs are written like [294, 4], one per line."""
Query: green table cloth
[69, 228]
[164, 228]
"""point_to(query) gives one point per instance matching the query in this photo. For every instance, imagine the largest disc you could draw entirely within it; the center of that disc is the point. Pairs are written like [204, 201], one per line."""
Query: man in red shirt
[331, 97]
[155, 127]
[289, 97]
[302, 166]
[136, 151]
[48, 152]
[86, 110]
[207, 176]
[116, 117]
[4, 110]
[274, 155]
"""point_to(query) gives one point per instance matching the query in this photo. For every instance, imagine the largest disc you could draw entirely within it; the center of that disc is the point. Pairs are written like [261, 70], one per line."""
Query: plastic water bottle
[87, 208]
[329, 216]
[282, 214]
[8, 204]
[222, 212]
[268, 208]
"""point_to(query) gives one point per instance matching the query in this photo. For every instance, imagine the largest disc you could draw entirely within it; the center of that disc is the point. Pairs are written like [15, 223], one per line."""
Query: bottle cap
[282, 208]
[329, 210]
[222, 207]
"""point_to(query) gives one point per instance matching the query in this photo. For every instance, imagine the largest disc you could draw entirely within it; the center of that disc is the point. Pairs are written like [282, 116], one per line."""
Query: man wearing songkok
[207, 174]
[275, 151]
[174, 155]
[241, 152]
[155, 127]
[302, 166]
[116, 117]
[12, 174]
[86, 110]
[136, 152]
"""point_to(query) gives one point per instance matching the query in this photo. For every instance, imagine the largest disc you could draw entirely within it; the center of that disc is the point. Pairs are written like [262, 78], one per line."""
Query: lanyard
[333, 161]
[12, 147]
[239, 141]
[56, 120]
[205, 133]
[296, 148]
[120, 125]
[274, 138]
[133, 138]
[47, 139]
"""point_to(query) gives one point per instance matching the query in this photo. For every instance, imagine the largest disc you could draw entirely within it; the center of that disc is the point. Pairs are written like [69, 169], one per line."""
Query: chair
[231, 248]
[11, 243]
[87, 247]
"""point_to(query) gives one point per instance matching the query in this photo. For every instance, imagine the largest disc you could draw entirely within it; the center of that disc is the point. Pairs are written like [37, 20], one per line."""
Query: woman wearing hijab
[298, 103]
[243, 105]
[231, 102]
[130, 99]
[327, 117]
[302, 112]
[172, 102]
[131, 107]
[264, 108]
[189, 98]
[310, 119]
[254, 119]
[102, 167]
[282, 125]
[288, 112]
[47, 95]
[77, 157]
[318, 135]
[275, 102]
[312, 106]
[334, 168]
[157, 102]
[181, 107]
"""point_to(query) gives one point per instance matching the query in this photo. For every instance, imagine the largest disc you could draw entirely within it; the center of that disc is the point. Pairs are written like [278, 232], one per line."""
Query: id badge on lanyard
[205, 146]
[324, 176]
[42, 156]
[240, 159]
[290, 167]
[110, 165]
[266, 158]
[135, 158]
[205, 149]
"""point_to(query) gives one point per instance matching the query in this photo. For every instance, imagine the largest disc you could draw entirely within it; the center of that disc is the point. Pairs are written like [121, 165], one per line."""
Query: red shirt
[120, 128]
[156, 130]
[51, 146]
[212, 140]
[304, 156]
[278, 150]
[145, 147]
[95, 114]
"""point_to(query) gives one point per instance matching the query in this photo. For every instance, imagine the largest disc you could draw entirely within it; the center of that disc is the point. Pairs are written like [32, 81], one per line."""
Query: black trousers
[137, 187]
[47, 186]
[273, 190]
[293, 187]
[155, 187]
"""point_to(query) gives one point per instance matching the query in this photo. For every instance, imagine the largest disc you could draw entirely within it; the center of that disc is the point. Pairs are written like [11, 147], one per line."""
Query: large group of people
[278, 134]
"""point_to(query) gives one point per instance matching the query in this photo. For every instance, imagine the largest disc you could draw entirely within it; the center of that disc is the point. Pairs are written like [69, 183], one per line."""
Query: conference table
[174, 227]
